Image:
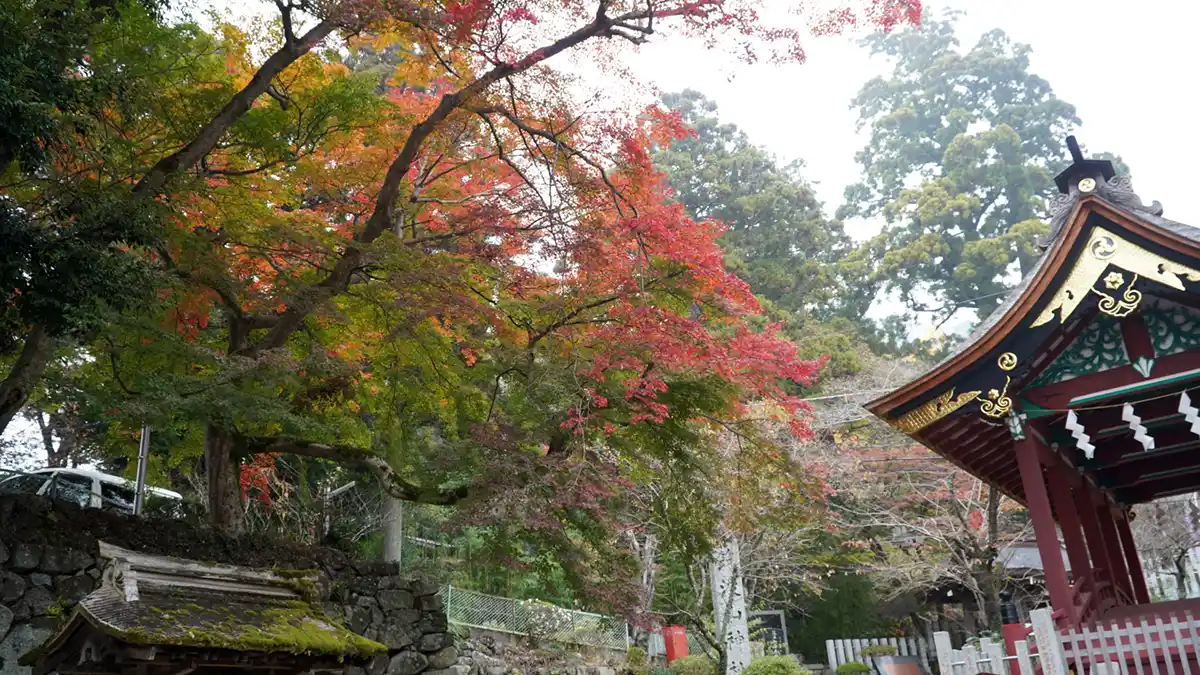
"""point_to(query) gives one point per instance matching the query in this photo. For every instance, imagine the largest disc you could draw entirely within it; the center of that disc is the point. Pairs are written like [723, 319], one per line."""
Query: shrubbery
[635, 662]
[853, 668]
[696, 664]
[774, 665]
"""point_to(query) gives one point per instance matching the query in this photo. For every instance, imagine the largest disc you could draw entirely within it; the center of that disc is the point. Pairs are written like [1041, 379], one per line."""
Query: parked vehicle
[90, 489]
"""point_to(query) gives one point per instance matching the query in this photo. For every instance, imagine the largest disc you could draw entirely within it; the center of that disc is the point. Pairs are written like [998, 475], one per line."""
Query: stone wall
[407, 616]
[49, 562]
[485, 652]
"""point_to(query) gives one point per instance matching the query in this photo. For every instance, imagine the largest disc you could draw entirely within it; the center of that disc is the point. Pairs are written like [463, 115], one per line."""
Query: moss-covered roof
[151, 600]
[223, 621]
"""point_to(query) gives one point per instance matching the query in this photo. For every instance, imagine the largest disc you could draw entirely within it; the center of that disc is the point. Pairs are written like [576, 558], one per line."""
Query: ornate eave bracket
[1118, 297]
[931, 411]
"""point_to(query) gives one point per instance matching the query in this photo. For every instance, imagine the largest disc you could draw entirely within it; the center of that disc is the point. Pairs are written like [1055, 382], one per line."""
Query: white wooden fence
[987, 657]
[1158, 645]
[847, 650]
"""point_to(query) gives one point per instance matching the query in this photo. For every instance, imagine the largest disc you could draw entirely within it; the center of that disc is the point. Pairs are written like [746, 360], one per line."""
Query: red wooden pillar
[1059, 480]
[1112, 546]
[1085, 507]
[1140, 592]
[1055, 573]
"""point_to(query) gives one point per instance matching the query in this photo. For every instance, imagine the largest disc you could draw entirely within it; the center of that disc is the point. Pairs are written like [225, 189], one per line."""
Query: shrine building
[1078, 396]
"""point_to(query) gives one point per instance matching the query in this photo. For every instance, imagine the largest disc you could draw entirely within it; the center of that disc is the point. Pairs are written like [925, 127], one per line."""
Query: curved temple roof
[942, 408]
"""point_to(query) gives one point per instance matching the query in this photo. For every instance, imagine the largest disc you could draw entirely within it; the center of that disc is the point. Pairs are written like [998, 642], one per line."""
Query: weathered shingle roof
[168, 602]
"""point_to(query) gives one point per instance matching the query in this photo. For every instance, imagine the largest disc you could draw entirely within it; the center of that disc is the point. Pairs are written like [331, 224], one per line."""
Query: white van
[89, 489]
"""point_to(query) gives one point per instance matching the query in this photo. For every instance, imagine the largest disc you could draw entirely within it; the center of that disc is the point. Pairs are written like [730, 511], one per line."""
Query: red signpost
[675, 640]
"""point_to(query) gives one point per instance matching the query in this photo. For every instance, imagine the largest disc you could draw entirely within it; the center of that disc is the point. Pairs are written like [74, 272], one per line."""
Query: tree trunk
[1181, 576]
[224, 488]
[25, 373]
[729, 605]
[988, 581]
[647, 555]
[393, 528]
[989, 594]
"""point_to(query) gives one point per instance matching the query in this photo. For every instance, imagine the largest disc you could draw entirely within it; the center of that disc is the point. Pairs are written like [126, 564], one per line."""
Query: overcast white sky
[1128, 67]
[1124, 65]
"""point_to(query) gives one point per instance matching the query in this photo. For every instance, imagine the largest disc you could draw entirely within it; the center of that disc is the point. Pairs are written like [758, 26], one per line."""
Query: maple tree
[450, 274]
[766, 505]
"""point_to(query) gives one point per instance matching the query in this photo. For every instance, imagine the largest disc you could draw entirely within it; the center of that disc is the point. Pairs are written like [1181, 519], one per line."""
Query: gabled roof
[944, 408]
[1018, 303]
[156, 601]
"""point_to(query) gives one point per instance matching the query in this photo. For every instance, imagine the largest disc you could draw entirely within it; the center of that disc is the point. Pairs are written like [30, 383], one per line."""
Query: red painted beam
[1112, 547]
[1085, 506]
[1150, 489]
[1137, 338]
[1142, 466]
[1140, 591]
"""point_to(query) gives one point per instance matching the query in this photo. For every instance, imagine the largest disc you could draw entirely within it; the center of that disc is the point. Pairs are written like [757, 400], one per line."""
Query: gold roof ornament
[1103, 249]
[931, 411]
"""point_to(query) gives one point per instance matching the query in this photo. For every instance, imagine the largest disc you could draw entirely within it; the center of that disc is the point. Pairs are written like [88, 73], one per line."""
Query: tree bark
[647, 556]
[224, 489]
[989, 583]
[26, 372]
[1181, 576]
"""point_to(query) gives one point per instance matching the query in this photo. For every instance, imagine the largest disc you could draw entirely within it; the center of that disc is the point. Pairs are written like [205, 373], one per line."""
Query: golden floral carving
[1103, 249]
[922, 416]
[1129, 301]
[997, 404]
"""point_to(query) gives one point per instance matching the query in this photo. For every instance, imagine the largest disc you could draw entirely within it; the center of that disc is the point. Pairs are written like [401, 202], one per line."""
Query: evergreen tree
[778, 239]
[963, 148]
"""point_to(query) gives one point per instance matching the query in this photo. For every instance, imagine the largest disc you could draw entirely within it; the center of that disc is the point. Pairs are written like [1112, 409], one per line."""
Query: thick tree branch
[207, 138]
[345, 455]
[382, 217]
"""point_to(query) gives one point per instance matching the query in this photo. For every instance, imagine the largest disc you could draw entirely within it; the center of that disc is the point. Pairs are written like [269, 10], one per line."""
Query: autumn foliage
[428, 257]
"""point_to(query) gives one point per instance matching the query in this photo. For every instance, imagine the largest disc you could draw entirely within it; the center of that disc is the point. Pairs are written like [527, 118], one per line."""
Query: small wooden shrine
[1078, 396]
[154, 615]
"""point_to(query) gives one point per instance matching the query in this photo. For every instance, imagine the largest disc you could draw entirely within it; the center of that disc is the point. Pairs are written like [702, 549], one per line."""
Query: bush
[774, 665]
[697, 664]
[878, 650]
[635, 662]
[853, 668]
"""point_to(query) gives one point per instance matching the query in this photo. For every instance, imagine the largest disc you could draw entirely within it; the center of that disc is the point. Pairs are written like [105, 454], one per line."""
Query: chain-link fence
[539, 620]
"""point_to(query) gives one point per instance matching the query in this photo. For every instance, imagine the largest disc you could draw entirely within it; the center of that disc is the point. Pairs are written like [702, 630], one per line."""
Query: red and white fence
[1166, 643]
